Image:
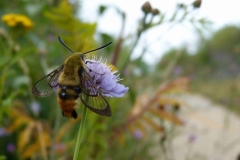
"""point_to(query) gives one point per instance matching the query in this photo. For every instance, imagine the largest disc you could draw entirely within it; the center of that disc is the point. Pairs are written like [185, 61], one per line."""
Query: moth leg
[74, 114]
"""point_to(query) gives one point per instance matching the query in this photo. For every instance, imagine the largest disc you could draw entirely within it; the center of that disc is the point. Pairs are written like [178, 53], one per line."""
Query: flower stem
[77, 147]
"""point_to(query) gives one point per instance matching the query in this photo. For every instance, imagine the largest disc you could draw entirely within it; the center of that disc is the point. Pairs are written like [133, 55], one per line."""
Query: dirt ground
[210, 132]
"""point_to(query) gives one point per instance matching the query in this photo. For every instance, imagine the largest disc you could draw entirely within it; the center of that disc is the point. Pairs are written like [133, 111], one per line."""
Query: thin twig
[132, 119]
[119, 42]
[139, 33]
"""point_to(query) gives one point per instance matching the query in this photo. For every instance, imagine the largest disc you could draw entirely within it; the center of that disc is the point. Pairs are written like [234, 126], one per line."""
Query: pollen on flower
[104, 76]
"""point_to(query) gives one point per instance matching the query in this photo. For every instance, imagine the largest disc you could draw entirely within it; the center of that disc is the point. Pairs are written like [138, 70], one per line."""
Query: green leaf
[102, 9]
[132, 95]
[19, 55]
[3, 157]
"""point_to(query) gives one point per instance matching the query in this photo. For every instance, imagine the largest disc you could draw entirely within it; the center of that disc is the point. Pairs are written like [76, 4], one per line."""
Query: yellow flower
[7, 17]
[13, 20]
[11, 23]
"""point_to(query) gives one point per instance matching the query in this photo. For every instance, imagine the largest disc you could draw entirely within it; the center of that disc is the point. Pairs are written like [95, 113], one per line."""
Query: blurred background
[180, 60]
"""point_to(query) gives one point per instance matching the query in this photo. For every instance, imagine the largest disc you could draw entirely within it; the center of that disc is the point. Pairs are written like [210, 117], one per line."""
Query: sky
[160, 39]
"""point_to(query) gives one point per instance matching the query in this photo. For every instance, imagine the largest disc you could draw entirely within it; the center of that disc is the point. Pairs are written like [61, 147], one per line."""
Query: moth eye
[77, 89]
[64, 87]
[63, 95]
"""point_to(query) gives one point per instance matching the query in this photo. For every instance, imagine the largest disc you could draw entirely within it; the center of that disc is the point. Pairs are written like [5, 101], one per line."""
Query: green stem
[171, 65]
[2, 81]
[77, 148]
[139, 33]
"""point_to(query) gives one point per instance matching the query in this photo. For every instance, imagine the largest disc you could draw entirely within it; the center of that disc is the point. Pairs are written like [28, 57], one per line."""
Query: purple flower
[60, 147]
[3, 132]
[177, 70]
[51, 37]
[35, 107]
[105, 78]
[137, 134]
[192, 138]
[10, 147]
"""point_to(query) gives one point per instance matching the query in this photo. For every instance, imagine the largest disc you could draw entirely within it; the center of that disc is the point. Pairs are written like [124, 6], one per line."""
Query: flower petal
[108, 83]
[105, 79]
[118, 91]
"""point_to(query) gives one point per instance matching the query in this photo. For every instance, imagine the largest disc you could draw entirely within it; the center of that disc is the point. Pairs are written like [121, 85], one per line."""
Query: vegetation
[214, 67]
[34, 128]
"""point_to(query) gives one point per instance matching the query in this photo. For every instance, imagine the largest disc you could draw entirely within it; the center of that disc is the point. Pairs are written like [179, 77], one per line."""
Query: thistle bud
[197, 3]
[181, 5]
[176, 107]
[161, 107]
[155, 11]
[146, 7]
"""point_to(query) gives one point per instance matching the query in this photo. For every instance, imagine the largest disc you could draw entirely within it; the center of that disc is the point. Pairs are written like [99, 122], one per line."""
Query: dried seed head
[161, 107]
[146, 7]
[181, 5]
[176, 107]
[197, 3]
[155, 11]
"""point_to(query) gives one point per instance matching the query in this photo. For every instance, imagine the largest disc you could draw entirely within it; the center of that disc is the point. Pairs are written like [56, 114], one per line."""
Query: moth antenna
[98, 48]
[61, 41]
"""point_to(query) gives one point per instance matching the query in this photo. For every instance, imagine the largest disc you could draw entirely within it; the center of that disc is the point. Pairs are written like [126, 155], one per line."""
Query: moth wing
[87, 85]
[97, 104]
[91, 96]
[44, 87]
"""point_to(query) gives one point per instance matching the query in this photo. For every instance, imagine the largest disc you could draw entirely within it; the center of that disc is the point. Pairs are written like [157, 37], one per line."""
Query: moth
[74, 83]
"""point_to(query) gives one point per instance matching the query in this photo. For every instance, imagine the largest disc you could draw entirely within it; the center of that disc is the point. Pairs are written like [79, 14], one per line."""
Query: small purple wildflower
[10, 147]
[51, 38]
[192, 138]
[137, 134]
[3, 132]
[177, 70]
[184, 122]
[60, 147]
[35, 107]
[104, 77]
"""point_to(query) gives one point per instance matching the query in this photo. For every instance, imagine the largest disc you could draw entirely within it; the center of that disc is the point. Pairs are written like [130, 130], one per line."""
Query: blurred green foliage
[214, 68]
[33, 127]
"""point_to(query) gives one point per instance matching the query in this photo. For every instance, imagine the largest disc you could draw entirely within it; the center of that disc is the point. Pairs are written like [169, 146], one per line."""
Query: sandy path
[210, 132]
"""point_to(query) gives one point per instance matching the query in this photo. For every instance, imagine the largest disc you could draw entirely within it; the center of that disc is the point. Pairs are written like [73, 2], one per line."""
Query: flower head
[60, 147]
[3, 132]
[14, 20]
[197, 3]
[35, 107]
[105, 78]
[10, 147]
[155, 11]
[146, 7]
[192, 138]
[137, 134]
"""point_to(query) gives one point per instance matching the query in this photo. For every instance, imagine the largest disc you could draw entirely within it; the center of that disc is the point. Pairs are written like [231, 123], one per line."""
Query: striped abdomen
[66, 98]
